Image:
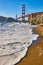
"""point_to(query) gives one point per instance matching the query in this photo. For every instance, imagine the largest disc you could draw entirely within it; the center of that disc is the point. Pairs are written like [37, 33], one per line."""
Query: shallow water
[15, 38]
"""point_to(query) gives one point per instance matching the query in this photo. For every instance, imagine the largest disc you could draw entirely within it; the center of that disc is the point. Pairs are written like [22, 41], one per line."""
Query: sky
[10, 8]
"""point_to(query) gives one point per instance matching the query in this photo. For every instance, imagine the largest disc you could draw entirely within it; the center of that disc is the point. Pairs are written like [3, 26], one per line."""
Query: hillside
[7, 19]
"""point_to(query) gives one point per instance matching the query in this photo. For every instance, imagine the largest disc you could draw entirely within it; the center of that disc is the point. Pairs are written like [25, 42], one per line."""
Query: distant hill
[9, 19]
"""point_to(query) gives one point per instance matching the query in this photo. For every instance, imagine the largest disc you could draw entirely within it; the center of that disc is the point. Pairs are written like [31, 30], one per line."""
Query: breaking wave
[15, 38]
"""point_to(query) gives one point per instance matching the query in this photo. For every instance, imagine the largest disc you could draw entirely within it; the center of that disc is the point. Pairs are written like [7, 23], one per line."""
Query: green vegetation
[42, 34]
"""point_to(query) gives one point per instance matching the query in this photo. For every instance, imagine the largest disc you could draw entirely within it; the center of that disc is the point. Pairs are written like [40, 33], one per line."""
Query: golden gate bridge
[23, 14]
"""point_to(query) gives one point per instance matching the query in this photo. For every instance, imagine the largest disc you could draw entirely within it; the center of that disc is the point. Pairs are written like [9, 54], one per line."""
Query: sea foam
[15, 38]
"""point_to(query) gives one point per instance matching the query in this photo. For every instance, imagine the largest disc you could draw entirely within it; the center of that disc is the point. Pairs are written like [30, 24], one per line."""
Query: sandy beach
[35, 52]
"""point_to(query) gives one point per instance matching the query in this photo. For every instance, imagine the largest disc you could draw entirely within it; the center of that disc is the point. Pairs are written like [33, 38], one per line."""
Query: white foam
[15, 38]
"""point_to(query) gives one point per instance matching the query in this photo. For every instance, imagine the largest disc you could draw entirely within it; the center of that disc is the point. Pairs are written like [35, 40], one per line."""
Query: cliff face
[10, 19]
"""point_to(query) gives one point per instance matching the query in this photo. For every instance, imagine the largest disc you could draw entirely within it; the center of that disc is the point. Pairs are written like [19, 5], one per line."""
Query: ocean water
[15, 38]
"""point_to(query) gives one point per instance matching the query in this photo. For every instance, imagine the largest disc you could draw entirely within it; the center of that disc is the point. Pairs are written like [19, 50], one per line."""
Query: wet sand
[35, 52]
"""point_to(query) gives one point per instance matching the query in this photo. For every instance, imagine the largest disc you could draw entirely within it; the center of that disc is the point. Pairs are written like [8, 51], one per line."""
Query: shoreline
[35, 52]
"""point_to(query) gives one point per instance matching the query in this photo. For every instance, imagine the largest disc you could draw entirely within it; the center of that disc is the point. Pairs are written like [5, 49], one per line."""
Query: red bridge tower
[23, 12]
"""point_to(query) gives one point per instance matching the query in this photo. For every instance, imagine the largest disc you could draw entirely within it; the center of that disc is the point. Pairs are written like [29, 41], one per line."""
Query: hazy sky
[10, 8]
